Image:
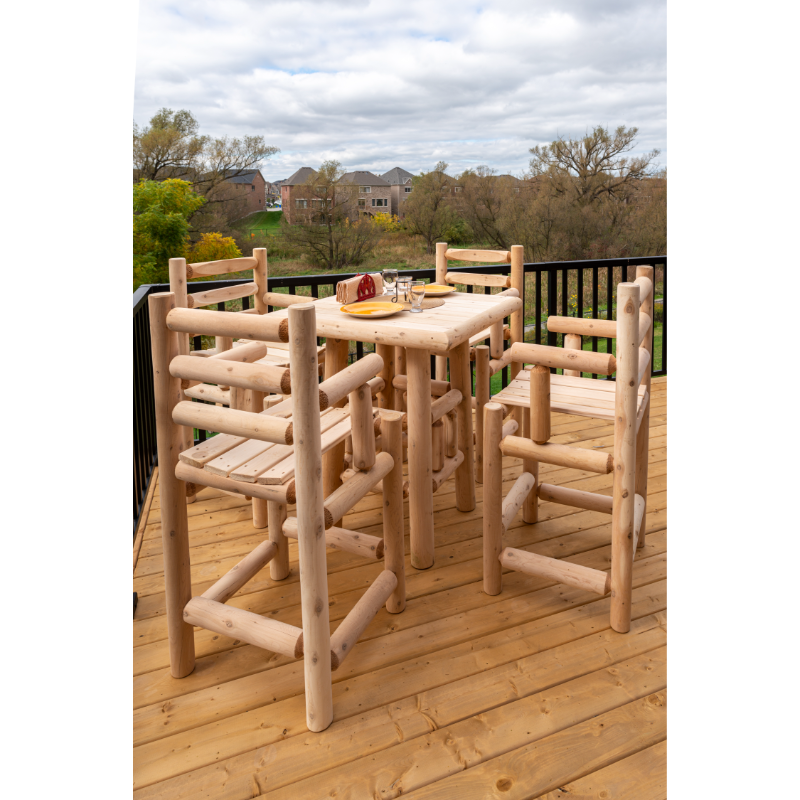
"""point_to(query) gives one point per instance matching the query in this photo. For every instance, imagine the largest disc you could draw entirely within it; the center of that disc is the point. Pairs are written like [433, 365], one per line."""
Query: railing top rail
[279, 281]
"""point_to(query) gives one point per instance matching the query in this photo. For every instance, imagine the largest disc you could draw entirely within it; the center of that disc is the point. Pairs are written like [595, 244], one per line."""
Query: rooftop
[529, 693]
[397, 176]
[363, 178]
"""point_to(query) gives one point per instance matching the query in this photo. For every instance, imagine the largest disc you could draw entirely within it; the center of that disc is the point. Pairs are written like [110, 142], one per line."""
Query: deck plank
[527, 694]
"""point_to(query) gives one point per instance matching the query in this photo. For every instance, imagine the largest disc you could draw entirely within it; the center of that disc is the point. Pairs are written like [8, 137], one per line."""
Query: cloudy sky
[380, 83]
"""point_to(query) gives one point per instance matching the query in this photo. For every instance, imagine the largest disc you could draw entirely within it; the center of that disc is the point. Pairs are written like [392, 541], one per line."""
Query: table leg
[420, 470]
[465, 474]
[333, 460]
[387, 353]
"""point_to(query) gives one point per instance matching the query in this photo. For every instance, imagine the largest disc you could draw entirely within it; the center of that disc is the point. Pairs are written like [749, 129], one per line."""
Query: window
[365, 189]
[362, 203]
[253, 188]
[380, 202]
[516, 189]
[301, 203]
[317, 204]
[458, 188]
[407, 189]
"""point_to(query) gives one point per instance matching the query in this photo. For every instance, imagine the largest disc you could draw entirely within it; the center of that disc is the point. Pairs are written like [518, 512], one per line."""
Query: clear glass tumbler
[417, 295]
[403, 284]
[389, 279]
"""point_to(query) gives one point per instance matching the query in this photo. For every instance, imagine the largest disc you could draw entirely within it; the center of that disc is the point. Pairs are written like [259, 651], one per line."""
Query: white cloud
[380, 84]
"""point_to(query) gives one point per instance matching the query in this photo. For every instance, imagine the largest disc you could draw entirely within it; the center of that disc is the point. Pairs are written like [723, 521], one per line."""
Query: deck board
[462, 695]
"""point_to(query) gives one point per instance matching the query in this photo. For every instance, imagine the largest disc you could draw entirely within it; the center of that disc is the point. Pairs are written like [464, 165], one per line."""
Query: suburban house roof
[300, 177]
[363, 178]
[245, 177]
[397, 176]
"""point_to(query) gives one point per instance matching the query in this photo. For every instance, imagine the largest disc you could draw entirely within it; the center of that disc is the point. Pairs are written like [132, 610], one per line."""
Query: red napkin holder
[366, 288]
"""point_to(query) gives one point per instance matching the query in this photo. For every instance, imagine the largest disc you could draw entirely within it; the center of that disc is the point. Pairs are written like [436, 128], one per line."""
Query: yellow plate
[372, 309]
[437, 289]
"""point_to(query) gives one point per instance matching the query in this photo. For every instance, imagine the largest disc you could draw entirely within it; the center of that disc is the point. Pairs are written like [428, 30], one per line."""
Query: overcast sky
[380, 83]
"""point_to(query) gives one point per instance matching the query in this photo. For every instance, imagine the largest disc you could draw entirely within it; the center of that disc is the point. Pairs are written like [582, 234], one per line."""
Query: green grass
[268, 221]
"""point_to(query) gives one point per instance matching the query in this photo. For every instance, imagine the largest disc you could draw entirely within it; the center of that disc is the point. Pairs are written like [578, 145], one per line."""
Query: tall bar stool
[296, 436]
[625, 401]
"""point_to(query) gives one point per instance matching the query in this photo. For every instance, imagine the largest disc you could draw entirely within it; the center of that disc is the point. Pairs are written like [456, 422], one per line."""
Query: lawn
[265, 221]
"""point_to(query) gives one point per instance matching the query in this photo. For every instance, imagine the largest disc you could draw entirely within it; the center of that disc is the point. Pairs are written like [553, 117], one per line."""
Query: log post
[310, 517]
[492, 499]
[437, 445]
[362, 427]
[399, 369]
[260, 276]
[386, 397]
[276, 516]
[174, 517]
[572, 341]
[441, 280]
[451, 434]
[624, 455]
[483, 379]
[333, 461]
[465, 474]
[643, 437]
[177, 285]
[420, 497]
[540, 404]
[393, 517]
[517, 317]
[530, 507]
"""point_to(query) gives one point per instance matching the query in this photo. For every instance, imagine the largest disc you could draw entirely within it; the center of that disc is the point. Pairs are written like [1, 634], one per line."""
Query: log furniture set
[284, 440]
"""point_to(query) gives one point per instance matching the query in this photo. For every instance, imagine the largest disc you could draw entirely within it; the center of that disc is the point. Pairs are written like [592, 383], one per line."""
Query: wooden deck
[527, 694]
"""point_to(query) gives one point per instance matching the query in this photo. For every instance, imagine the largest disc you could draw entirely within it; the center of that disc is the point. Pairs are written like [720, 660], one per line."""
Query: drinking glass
[417, 295]
[402, 285]
[389, 278]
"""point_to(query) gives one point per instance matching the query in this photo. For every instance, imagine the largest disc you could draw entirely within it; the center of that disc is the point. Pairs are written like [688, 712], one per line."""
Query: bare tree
[592, 167]
[330, 230]
[429, 211]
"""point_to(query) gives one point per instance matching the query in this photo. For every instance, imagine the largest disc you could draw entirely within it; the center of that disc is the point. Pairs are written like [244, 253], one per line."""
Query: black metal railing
[566, 288]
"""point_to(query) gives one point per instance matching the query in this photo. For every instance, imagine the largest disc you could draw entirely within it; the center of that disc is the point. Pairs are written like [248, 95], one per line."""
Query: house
[274, 191]
[374, 193]
[294, 196]
[400, 181]
[253, 186]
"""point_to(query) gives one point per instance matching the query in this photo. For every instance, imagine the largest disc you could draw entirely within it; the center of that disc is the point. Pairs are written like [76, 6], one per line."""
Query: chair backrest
[516, 280]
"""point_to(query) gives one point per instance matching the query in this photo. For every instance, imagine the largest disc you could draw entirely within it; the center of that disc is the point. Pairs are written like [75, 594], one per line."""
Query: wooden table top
[435, 329]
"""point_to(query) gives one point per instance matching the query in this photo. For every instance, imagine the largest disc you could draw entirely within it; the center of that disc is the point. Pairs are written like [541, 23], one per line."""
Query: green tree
[171, 147]
[161, 210]
[428, 210]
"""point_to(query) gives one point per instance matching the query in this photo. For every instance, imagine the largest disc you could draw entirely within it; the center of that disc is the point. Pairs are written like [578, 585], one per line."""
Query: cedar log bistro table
[444, 330]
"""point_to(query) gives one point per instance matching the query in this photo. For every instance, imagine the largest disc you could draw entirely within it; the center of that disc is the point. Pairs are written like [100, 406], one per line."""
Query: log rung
[269, 634]
[438, 388]
[378, 487]
[362, 613]
[575, 498]
[644, 364]
[281, 494]
[217, 370]
[450, 466]
[516, 497]
[256, 327]
[561, 358]
[235, 578]
[221, 267]
[213, 296]
[559, 455]
[485, 256]
[638, 515]
[209, 393]
[232, 421]
[642, 408]
[359, 544]
[338, 503]
[593, 580]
